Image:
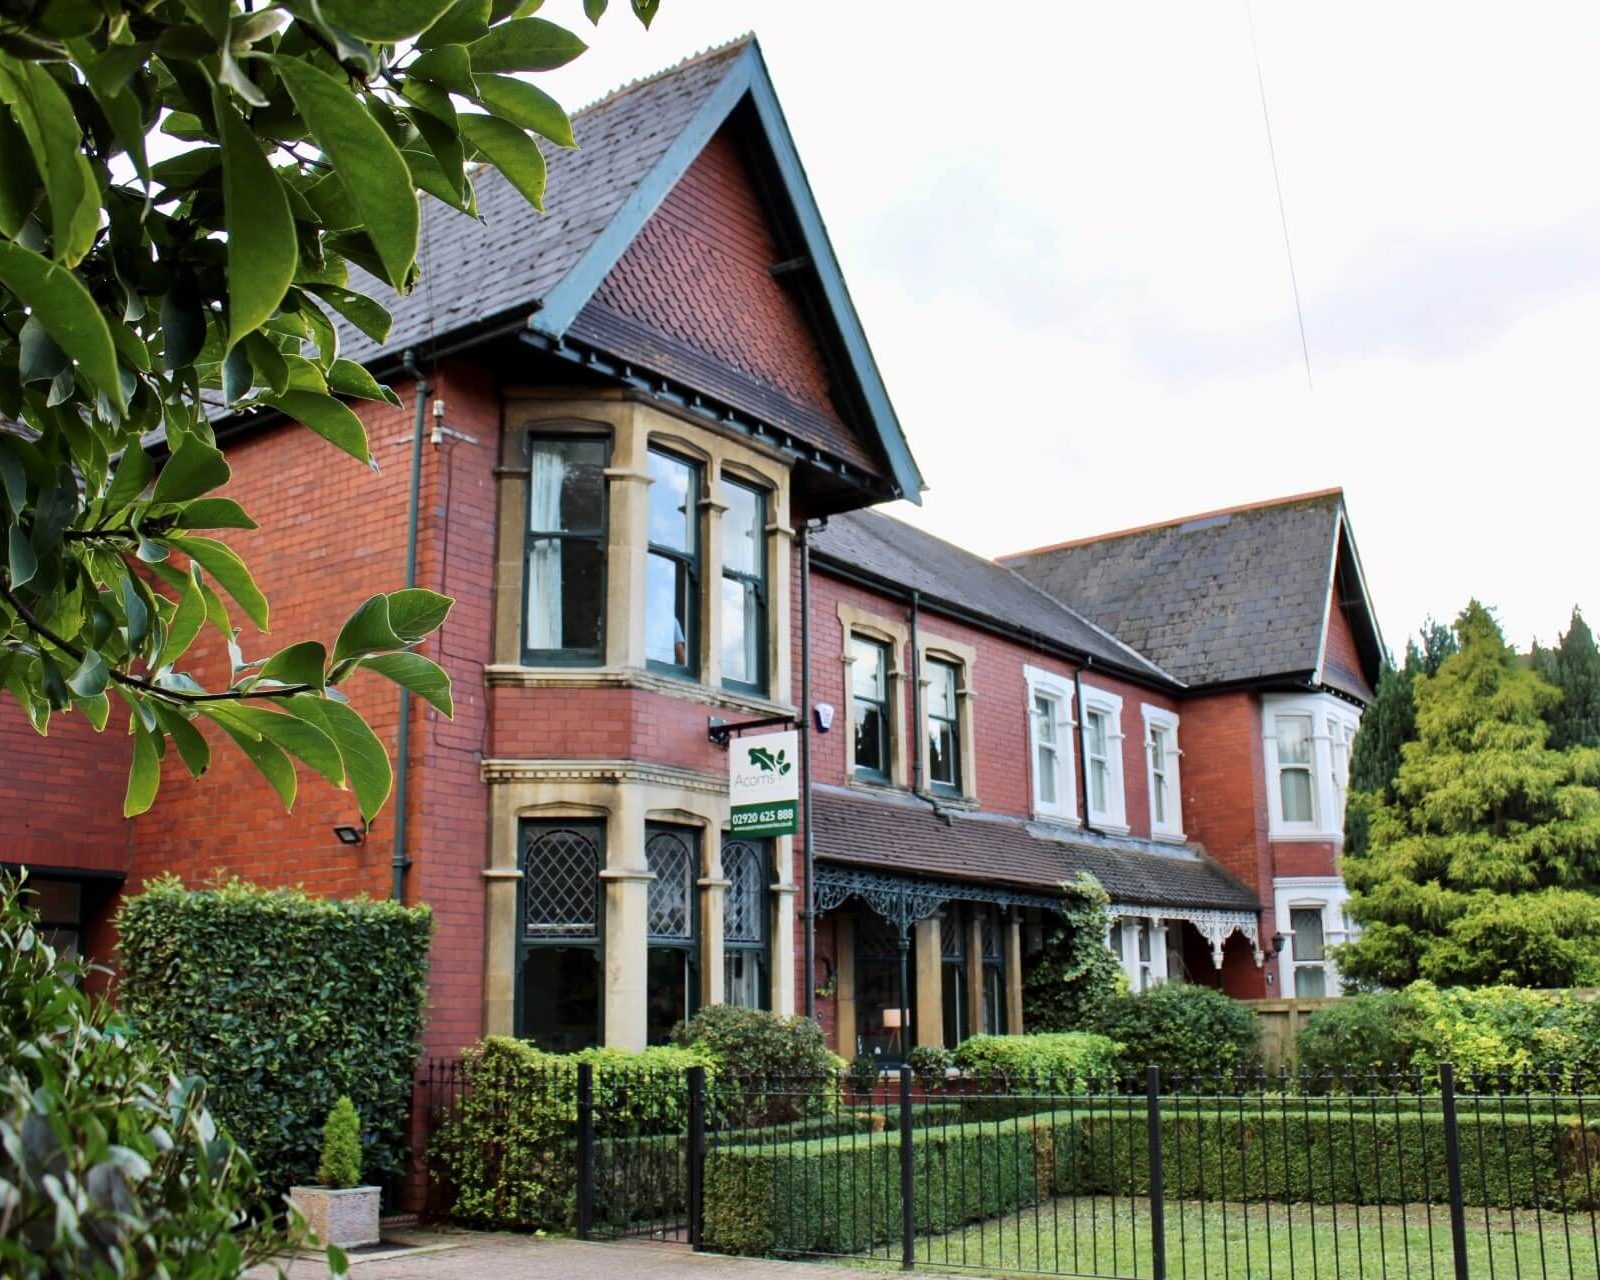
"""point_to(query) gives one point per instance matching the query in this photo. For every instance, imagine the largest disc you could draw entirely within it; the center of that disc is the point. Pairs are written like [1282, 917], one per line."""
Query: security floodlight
[349, 834]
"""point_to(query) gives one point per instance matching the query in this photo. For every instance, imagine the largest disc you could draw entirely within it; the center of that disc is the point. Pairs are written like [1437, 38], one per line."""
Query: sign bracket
[720, 732]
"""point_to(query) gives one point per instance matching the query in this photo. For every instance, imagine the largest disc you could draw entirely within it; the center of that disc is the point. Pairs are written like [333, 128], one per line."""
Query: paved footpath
[475, 1255]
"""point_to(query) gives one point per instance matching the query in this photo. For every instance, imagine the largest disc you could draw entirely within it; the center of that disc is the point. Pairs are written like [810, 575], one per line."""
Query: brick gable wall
[1341, 661]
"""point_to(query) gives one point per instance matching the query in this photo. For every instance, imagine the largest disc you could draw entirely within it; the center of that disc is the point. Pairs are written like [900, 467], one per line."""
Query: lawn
[1102, 1236]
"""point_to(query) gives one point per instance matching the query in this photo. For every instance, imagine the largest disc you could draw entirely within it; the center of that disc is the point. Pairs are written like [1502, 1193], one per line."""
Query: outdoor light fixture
[350, 835]
[1277, 944]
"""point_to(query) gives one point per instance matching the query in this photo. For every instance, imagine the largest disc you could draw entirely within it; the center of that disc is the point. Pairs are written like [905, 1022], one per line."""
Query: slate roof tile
[898, 833]
[1236, 595]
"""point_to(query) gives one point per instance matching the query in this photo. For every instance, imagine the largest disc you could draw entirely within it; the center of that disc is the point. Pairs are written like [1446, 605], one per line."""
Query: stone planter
[347, 1218]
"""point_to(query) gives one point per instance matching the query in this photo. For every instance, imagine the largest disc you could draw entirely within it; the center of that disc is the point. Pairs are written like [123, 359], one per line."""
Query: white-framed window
[1310, 912]
[1161, 762]
[1140, 945]
[1050, 733]
[1101, 734]
[1307, 740]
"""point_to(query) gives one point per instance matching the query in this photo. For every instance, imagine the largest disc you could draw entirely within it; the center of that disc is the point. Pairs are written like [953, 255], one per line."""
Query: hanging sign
[764, 783]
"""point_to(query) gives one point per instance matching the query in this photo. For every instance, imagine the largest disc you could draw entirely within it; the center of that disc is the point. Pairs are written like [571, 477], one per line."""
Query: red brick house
[647, 409]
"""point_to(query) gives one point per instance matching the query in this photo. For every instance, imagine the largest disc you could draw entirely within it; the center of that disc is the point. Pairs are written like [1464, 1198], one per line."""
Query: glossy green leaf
[262, 251]
[330, 419]
[213, 513]
[222, 564]
[367, 162]
[91, 677]
[44, 114]
[185, 623]
[347, 378]
[21, 561]
[417, 612]
[268, 757]
[525, 44]
[302, 739]
[303, 663]
[367, 631]
[129, 480]
[527, 106]
[61, 303]
[368, 316]
[96, 710]
[366, 764]
[144, 778]
[135, 611]
[193, 749]
[511, 151]
[385, 22]
[19, 178]
[194, 468]
[463, 22]
[425, 678]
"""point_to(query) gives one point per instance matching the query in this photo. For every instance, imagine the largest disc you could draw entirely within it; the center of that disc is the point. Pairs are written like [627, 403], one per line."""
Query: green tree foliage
[110, 1164]
[1573, 667]
[283, 1002]
[1388, 724]
[1073, 977]
[135, 291]
[340, 1166]
[1483, 866]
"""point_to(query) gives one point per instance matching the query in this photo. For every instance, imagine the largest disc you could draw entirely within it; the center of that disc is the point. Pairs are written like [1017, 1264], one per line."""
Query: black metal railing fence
[1334, 1177]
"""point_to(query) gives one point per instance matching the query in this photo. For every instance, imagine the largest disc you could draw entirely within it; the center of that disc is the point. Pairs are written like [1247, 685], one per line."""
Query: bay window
[565, 550]
[994, 971]
[869, 691]
[1308, 739]
[1310, 913]
[672, 573]
[944, 727]
[1295, 791]
[953, 976]
[1310, 954]
[744, 588]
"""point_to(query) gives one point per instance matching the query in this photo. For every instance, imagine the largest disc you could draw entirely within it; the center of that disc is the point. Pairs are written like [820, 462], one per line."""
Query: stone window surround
[1325, 893]
[633, 427]
[1114, 819]
[1172, 829]
[1327, 823]
[624, 796]
[1059, 687]
[964, 658]
[896, 634]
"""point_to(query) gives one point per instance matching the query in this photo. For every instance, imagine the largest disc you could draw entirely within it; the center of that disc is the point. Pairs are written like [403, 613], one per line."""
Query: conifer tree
[1483, 865]
[1573, 666]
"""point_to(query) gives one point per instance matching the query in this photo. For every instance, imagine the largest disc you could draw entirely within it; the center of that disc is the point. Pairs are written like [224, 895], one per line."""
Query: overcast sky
[1058, 223]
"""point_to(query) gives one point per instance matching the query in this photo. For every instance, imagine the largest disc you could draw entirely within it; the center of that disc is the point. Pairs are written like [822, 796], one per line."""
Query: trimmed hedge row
[843, 1197]
[283, 1002]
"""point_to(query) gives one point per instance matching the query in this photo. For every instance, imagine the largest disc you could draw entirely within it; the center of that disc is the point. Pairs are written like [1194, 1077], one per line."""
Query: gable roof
[893, 833]
[902, 556]
[1237, 595]
[634, 145]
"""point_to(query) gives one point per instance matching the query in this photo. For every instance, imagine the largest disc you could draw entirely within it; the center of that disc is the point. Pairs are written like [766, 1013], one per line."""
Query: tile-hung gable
[612, 280]
[1228, 598]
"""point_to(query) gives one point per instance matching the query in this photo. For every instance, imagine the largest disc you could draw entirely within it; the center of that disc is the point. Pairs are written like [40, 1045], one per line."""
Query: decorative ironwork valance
[903, 901]
[1214, 926]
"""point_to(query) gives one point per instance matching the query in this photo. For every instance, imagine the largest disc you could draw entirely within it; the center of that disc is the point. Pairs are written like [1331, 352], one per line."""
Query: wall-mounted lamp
[350, 835]
[1277, 944]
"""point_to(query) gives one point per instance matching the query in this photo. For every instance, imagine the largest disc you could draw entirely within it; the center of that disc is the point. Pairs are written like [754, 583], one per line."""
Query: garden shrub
[110, 1165]
[771, 1068]
[340, 1166]
[929, 1063]
[841, 1195]
[507, 1149]
[283, 1002]
[863, 1072]
[1183, 1029]
[1056, 1056]
[1479, 1029]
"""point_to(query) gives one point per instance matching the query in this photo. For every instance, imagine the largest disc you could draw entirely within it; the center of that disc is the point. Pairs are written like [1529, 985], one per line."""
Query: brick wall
[61, 795]
[1341, 660]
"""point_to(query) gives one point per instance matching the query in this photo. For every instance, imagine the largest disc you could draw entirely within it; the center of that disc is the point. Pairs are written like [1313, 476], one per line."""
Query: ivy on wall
[1076, 974]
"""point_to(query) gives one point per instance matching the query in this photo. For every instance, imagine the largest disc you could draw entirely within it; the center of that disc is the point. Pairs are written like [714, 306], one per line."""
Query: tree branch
[136, 682]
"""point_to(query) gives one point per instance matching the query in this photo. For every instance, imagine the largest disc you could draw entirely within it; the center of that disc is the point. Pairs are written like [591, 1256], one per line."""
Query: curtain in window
[544, 558]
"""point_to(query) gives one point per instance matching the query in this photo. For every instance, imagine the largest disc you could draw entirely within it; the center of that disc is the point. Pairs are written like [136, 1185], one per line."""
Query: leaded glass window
[744, 924]
[560, 876]
[994, 971]
[953, 976]
[671, 980]
[670, 859]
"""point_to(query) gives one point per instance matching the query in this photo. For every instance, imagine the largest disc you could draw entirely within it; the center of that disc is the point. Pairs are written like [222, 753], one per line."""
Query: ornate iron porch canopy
[903, 901]
[1214, 926]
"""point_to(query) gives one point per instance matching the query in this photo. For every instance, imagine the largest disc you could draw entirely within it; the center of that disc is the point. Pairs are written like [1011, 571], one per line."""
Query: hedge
[843, 1197]
[1057, 1055]
[1181, 1027]
[283, 1002]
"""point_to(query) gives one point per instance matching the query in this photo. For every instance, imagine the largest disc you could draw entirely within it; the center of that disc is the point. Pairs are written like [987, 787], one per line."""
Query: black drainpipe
[1083, 745]
[422, 389]
[916, 693]
[807, 849]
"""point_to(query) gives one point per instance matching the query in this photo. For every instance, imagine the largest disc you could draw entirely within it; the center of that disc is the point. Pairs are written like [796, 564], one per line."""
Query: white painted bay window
[1311, 916]
[1307, 741]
